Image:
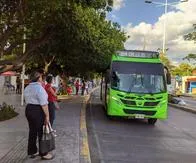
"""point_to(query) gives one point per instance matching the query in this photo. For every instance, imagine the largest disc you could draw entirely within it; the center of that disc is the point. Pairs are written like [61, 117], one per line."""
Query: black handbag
[47, 142]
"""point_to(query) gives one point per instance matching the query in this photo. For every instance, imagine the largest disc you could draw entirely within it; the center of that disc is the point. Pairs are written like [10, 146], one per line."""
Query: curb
[184, 108]
[191, 96]
[63, 97]
[84, 145]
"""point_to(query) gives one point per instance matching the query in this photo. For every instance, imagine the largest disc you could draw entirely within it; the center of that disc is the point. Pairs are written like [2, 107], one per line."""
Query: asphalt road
[134, 141]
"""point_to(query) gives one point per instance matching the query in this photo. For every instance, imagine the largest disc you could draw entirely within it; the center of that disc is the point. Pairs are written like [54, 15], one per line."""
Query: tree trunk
[46, 67]
[47, 64]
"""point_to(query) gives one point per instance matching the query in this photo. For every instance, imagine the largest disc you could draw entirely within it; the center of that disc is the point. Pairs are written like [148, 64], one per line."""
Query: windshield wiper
[151, 93]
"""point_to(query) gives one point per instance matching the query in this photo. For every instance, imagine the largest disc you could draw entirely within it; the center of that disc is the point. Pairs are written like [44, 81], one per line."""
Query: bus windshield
[137, 77]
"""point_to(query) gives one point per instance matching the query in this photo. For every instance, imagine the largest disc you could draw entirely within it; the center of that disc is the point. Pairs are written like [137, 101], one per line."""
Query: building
[189, 84]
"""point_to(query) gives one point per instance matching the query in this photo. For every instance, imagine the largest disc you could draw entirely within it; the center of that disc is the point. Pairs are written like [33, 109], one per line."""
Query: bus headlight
[162, 103]
[116, 100]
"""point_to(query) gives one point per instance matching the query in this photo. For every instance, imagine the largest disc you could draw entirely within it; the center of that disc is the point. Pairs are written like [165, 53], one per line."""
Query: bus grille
[151, 103]
[127, 102]
[133, 103]
[128, 111]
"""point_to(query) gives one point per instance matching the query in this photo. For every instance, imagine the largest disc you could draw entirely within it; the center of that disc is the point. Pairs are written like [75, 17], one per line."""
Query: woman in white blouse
[37, 114]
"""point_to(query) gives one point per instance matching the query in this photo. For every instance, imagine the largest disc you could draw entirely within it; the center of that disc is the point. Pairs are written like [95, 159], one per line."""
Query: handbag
[47, 142]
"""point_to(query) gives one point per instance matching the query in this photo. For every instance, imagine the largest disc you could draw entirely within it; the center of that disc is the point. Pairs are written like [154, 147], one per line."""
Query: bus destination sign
[138, 54]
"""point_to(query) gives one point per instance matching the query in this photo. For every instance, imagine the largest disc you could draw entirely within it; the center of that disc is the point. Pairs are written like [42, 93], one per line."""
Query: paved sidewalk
[14, 133]
[14, 130]
[189, 95]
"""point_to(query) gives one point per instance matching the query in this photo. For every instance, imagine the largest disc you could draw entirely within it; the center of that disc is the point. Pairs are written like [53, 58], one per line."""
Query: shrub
[7, 112]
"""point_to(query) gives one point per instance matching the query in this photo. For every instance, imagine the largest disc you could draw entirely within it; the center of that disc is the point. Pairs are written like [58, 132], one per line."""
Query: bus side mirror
[168, 75]
[107, 76]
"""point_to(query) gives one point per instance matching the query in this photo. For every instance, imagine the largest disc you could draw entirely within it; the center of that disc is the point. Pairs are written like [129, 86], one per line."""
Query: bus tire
[152, 121]
[112, 118]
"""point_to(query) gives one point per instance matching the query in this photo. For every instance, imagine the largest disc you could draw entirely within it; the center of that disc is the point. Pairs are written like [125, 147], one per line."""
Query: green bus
[135, 86]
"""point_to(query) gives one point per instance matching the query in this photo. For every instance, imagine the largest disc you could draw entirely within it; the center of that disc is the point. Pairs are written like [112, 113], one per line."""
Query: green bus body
[135, 105]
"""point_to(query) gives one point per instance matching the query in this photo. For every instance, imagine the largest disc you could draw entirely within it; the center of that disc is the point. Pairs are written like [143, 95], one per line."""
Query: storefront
[192, 85]
[189, 84]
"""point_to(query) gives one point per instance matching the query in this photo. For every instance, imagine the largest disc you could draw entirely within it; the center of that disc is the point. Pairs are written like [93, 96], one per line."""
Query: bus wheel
[112, 118]
[152, 121]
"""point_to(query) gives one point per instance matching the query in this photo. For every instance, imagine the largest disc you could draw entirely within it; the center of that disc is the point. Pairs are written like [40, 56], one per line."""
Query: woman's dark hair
[34, 77]
[49, 78]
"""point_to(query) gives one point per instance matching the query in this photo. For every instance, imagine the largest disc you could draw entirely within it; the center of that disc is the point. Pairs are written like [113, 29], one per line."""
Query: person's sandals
[48, 157]
[34, 155]
[54, 133]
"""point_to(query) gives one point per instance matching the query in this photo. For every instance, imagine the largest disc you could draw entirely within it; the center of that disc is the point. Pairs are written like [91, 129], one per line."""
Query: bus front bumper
[115, 108]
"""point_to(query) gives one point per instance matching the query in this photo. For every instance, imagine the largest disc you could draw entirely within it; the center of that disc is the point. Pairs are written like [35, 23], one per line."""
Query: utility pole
[23, 68]
[164, 27]
[166, 4]
[144, 44]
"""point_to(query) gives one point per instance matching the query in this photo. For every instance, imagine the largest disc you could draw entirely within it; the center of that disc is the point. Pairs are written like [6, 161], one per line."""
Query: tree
[192, 35]
[84, 42]
[189, 37]
[16, 16]
[190, 57]
[166, 62]
[183, 69]
[42, 19]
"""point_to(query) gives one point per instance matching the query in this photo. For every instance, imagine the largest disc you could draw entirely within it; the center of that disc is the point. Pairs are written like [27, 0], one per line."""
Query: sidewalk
[14, 134]
[189, 95]
[14, 130]
[184, 107]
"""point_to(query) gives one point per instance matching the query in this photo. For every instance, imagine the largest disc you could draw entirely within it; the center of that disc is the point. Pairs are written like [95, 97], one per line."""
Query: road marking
[84, 145]
[96, 136]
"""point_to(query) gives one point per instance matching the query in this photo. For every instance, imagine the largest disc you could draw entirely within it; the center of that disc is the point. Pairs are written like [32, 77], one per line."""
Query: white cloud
[179, 23]
[113, 16]
[117, 4]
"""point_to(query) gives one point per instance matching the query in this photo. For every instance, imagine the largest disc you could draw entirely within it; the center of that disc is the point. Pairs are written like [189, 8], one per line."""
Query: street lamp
[166, 4]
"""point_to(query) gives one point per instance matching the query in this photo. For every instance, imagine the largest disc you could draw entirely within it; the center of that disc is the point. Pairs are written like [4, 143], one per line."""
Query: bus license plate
[139, 116]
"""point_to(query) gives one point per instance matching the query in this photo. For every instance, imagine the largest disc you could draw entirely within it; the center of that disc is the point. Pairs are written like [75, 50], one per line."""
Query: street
[122, 141]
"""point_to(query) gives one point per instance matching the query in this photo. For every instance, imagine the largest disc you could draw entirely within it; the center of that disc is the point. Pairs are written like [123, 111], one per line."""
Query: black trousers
[51, 108]
[35, 117]
[77, 89]
[82, 93]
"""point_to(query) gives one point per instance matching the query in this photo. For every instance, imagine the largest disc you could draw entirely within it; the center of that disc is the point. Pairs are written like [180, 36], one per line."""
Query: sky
[143, 23]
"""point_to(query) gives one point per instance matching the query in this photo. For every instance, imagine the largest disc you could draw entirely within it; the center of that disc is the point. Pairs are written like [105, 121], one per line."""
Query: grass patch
[7, 112]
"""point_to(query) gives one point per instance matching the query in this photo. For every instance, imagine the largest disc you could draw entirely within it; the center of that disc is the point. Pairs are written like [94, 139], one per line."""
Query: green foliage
[166, 62]
[190, 57]
[189, 37]
[7, 112]
[184, 69]
[71, 37]
[192, 35]
[84, 41]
